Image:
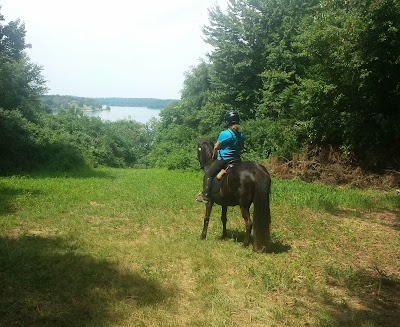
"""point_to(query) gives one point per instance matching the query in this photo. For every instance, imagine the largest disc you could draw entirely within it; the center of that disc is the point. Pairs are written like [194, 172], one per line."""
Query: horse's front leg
[248, 223]
[209, 206]
[224, 218]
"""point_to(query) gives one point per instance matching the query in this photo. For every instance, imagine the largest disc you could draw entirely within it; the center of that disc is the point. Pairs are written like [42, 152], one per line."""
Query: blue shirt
[230, 144]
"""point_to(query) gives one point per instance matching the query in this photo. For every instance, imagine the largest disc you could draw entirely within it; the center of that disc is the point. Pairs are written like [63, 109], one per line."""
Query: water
[139, 114]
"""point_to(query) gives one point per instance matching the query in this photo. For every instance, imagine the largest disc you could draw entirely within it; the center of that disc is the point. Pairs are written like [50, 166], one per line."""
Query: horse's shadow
[273, 246]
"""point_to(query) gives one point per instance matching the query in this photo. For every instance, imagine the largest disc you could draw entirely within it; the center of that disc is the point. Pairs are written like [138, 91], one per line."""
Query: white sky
[114, 48]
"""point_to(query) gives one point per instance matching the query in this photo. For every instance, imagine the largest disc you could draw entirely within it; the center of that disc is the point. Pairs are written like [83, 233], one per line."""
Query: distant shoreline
[150, 103]
[107, 108]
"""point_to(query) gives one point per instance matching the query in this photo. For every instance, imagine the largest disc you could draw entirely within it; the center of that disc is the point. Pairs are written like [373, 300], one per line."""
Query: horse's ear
[199, 140]
[212, 140]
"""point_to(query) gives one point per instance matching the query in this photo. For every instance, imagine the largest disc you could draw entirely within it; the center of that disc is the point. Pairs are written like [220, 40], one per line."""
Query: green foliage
[258, 140]
[309, 72]
[12, 38]
[26, 146]
[236, 59]
[299, 72]
[21, 82]
[69, 140]
[352, 56]
[174, 148]
[32, 139]
[114, 144]
[65, 101]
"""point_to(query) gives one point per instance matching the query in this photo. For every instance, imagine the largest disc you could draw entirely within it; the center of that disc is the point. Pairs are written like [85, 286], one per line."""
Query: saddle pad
[216, 184]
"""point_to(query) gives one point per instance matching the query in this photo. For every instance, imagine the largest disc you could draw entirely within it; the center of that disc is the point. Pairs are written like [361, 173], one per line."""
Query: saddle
[216, 182]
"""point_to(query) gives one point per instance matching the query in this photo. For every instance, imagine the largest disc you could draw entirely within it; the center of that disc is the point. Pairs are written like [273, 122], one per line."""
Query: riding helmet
[232, 117]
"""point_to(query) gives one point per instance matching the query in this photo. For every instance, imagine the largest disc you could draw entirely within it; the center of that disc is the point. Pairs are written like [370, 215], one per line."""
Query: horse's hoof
[202, 237]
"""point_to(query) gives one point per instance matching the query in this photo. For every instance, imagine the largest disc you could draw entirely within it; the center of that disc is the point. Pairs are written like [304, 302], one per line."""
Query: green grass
[121, 247]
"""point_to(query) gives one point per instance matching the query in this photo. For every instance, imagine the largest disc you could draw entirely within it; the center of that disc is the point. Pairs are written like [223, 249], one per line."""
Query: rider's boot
[204, 197]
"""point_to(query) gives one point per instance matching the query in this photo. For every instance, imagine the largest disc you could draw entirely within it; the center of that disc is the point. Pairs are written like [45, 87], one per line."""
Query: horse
[246, 183]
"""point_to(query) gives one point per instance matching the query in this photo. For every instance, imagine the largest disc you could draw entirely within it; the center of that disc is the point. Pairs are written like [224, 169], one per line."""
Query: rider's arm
[216, 147]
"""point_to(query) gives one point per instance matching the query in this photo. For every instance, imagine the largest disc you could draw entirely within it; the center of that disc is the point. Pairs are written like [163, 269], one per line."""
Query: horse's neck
[207, 160]
[207, 164]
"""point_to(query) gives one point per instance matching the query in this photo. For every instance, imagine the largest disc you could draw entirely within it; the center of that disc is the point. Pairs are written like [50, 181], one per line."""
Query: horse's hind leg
[248, 223]
[224, 218]
[209, 206]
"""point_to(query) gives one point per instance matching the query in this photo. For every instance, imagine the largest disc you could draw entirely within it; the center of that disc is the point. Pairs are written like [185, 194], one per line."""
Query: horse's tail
[262, 213]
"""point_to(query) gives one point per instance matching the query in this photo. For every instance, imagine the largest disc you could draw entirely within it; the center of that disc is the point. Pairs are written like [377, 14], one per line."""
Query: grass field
[121, 247]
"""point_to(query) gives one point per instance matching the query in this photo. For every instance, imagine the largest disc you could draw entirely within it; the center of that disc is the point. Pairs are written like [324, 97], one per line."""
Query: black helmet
[232, 117]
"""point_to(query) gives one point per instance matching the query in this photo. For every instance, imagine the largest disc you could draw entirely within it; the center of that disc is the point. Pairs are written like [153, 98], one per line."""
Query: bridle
[207, 163]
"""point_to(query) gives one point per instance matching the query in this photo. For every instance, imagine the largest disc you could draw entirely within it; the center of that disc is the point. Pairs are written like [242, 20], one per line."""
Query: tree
[320, 72]
[237, 59]
[12, 38]
[21, 82]
[350, 88]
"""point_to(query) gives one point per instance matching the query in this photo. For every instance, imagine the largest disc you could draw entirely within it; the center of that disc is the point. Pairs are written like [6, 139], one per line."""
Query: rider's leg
[206, 188]
[215, 167]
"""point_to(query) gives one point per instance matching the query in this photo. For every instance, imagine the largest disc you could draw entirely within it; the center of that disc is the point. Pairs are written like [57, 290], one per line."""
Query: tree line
[150, 103]
[319, 73]
[315, 72]
[63, 101]
[57, 101]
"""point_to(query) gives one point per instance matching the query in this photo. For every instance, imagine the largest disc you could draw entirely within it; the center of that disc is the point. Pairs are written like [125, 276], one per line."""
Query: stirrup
[201, 198]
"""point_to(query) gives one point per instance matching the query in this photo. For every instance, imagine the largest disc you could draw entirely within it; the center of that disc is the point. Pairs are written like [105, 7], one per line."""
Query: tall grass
[121, 247]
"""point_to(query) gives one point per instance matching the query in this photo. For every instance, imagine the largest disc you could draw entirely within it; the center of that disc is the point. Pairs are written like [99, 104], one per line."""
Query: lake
[139, 114]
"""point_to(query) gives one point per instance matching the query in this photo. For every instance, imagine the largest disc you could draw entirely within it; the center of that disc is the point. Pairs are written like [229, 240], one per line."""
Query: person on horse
[227, 149]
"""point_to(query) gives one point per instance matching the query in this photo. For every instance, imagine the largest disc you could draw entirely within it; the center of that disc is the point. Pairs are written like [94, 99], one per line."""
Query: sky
[114, 48]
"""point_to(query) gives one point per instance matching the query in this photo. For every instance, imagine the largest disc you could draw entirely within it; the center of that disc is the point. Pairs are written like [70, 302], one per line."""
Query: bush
[174, 148]
[26, 146]
[68, 141]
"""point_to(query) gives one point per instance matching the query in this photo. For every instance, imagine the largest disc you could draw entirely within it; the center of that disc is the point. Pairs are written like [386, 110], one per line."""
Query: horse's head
[204, 152]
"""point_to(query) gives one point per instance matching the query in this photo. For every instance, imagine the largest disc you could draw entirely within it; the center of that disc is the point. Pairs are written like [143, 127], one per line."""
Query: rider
[229, 146]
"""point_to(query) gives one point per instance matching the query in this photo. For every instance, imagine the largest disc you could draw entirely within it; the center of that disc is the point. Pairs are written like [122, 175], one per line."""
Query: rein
[208, 163]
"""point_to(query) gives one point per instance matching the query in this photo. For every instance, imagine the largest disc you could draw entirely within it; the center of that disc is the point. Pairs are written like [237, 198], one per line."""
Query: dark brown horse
[245, 183]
